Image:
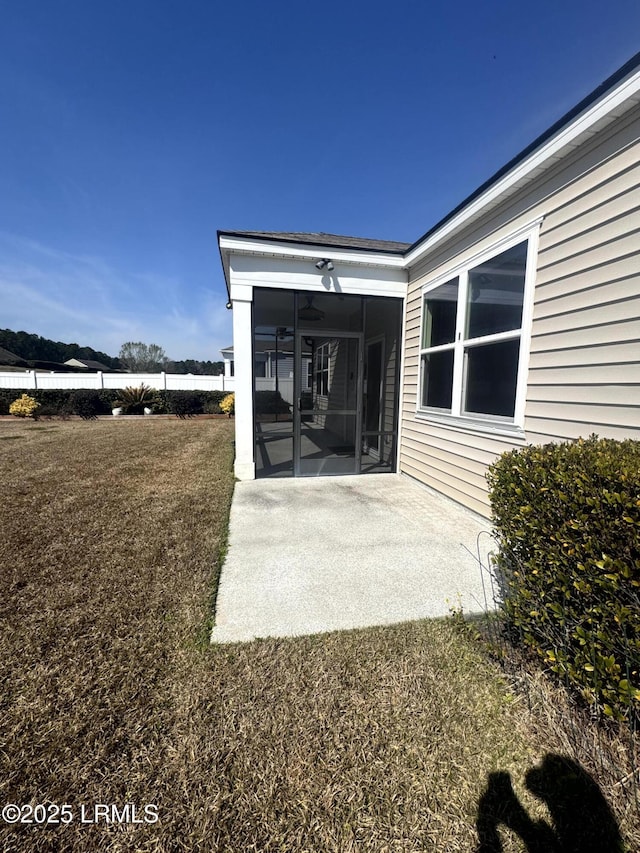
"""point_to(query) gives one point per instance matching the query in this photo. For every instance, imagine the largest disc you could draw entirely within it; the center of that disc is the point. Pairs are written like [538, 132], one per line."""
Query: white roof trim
[556, 147]
[348, 256]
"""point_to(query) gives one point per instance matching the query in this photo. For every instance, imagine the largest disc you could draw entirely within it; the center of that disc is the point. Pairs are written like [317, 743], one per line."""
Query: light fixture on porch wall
[309, 313]
[324, 262]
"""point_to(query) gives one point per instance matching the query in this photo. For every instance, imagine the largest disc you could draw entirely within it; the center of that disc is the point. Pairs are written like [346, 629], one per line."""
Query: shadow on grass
[582, 819]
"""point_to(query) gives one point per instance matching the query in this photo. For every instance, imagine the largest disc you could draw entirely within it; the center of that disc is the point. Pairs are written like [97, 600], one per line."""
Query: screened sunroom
[317, 351]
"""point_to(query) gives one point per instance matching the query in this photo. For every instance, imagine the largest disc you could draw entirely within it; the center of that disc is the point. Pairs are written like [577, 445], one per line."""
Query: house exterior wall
[302, 275]
[585, 332]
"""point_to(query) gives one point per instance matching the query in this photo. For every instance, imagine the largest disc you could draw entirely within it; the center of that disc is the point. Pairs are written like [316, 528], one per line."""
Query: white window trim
[512, 427]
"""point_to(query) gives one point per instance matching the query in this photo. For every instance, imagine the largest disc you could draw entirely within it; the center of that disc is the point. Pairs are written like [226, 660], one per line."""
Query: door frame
[300, 334]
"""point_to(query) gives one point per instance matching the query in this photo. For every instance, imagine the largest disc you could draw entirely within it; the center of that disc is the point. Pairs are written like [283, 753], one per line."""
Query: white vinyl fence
[161, 381]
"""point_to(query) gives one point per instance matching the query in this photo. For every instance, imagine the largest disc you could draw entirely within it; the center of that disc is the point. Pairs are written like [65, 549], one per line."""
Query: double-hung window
[472, 339]
[322, 362]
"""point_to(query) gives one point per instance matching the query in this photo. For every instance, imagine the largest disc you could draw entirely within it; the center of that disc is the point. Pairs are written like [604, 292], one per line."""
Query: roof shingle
[338, 241]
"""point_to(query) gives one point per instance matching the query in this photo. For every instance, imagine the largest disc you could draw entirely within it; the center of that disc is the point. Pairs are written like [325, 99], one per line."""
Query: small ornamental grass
[24, 407]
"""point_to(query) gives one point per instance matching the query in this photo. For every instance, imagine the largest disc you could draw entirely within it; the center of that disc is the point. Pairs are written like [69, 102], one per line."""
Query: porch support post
[241, 297]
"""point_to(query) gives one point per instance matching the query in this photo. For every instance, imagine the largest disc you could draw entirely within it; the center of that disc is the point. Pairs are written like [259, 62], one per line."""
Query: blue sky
[132, 131]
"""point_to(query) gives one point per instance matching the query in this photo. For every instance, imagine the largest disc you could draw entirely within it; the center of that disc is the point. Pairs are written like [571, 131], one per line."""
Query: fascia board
[255, 247]
[300, 274]
[552, 150]
[224, 258]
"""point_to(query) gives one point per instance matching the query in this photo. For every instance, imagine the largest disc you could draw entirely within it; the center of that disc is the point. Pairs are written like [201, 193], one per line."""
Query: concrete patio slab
[314, 555]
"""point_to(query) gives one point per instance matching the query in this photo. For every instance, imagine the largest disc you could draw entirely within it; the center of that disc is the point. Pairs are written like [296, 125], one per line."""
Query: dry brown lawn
[371, 740]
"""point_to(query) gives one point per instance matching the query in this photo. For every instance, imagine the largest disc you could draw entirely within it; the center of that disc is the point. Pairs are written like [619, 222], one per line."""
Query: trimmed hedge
[567, 520]
[271, 403]
[57, 402]
[184, 404]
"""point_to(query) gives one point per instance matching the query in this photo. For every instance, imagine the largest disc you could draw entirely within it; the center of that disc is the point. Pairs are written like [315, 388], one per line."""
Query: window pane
[335, 366]
[496, 290]
[440, 307]
[491, 375]
[437, 379]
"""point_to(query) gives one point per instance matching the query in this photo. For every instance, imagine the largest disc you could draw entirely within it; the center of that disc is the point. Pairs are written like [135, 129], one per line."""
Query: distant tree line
[134, 356]
[36, 348]
[200, 368]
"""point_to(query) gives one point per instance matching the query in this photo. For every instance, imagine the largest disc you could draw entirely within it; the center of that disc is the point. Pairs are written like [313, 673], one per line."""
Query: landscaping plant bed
[155, 417]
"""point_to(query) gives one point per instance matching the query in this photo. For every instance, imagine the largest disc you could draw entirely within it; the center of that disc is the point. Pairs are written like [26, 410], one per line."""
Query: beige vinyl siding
[545, 430]
[607, 360]
[584, 365]
[581, 375]
[609, 292]
[617, 270]
[626, 395]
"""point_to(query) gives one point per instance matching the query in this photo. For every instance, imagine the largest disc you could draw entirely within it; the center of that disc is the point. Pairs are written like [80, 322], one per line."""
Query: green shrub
[159, 405]
[214, 396]
[108, 398]
[567, 521]
[55, 400]
[185, 404]
[49, 412]
[189, 403]
[6, 400]
[211, 401]
[271, 403]
[88, 404]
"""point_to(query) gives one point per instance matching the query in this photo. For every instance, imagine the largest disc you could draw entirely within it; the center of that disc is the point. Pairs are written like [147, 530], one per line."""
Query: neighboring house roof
[321, 239]
[50, 366]
[7, 357]
[87, 363]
